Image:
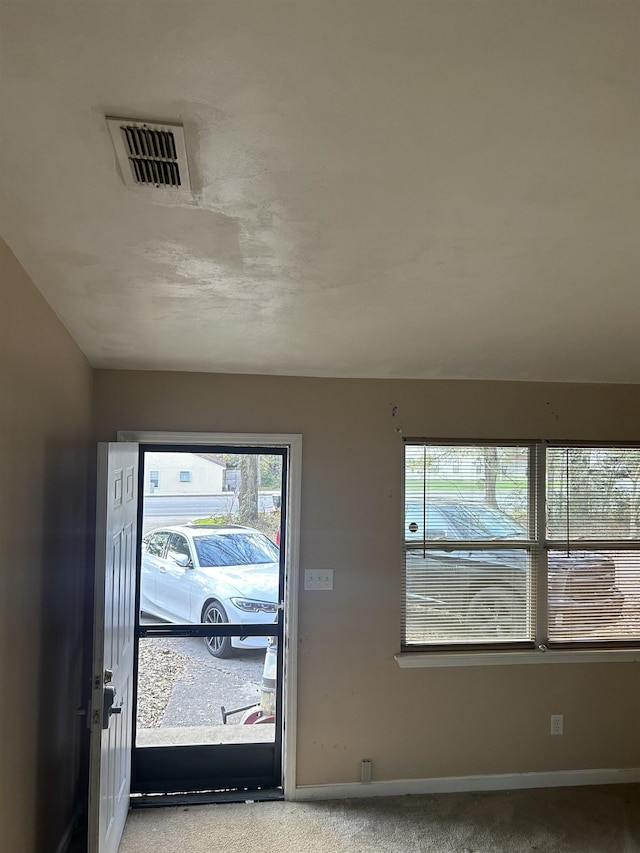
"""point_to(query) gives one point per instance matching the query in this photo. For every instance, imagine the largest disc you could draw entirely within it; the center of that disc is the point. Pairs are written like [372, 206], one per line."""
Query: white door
[111, 713]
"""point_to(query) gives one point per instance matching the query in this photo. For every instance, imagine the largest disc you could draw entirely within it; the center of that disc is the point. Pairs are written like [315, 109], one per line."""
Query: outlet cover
[557, 724]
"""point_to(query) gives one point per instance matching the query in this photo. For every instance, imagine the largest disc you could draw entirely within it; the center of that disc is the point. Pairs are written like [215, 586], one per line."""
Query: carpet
[598, 819]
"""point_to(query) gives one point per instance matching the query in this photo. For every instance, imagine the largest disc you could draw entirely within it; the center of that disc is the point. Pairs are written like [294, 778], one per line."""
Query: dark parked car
[487, 590]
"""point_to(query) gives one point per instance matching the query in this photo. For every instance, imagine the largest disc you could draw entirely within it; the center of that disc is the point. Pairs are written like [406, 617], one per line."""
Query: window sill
[417, 660]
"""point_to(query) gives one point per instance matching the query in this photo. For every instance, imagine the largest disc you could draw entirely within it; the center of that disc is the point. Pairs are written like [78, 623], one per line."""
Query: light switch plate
[318, 579]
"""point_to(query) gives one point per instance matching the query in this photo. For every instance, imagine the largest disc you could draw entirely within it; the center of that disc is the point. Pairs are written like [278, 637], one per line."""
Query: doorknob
[108, 708]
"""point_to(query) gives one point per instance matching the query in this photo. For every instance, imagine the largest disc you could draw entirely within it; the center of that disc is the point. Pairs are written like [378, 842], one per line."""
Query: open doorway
[210, 625]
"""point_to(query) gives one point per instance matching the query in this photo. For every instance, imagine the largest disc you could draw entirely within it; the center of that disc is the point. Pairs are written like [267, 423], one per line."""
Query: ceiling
[382, 188]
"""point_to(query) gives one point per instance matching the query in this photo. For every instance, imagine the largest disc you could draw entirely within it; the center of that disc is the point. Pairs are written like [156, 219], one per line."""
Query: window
[154, 479]
[185, 476]
[155, 543]
[178, 547]
[520, 546]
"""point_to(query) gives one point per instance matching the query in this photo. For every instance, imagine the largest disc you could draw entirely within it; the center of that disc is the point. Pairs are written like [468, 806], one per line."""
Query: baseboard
[453, 784]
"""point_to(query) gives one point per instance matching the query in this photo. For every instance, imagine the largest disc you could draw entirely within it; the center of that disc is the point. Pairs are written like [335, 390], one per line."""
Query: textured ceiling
[388, 188]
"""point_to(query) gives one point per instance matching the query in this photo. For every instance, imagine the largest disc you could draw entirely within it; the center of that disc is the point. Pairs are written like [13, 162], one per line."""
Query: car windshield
[235, 549]
[477, 521]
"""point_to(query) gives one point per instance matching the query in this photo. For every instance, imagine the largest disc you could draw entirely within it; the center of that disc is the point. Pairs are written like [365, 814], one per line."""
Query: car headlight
[249, 605]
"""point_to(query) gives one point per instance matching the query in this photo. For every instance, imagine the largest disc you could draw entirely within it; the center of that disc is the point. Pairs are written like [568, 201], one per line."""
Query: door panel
[111, 714]
[166, 769]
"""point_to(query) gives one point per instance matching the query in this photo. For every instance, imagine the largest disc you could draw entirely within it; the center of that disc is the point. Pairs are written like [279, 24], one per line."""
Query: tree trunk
[248, 490]
[491, 475]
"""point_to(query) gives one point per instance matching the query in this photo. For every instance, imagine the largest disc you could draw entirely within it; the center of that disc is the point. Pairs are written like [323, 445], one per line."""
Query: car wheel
[495, 612]
[219, 647]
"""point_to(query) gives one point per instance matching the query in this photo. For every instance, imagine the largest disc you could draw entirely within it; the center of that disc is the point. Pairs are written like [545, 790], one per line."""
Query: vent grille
[153, 155]
[150, 155]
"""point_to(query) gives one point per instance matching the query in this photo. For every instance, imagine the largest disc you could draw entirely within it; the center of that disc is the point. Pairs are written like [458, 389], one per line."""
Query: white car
[211, 574]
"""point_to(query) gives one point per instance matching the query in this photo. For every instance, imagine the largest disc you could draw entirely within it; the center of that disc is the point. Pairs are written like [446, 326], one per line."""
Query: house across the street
[183, 474]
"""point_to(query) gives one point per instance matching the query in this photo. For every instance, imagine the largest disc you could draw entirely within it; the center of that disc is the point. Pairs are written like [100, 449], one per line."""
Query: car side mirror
[181, 560]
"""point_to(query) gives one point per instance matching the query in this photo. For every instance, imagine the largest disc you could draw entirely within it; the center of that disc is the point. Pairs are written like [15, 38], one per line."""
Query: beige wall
[45, 404]
[354, 701]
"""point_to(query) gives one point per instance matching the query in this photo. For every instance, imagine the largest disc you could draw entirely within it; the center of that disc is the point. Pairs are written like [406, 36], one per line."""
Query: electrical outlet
[557, 724]
[365, 771]
[318, 579]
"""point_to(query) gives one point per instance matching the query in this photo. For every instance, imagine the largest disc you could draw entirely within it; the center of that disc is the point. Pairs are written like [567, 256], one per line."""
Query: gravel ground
[181, 684]
[158, 670]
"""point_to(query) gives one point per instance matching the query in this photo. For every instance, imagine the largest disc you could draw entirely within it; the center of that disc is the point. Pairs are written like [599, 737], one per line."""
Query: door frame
[293, 442]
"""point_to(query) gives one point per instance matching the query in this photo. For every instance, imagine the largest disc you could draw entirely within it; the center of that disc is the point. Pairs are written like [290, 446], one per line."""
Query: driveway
[181, 688]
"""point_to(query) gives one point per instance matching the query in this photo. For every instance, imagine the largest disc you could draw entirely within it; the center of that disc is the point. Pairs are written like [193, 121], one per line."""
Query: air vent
[150, 154]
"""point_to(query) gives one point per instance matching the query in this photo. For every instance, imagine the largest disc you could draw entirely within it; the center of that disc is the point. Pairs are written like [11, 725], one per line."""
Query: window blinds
[489, 528]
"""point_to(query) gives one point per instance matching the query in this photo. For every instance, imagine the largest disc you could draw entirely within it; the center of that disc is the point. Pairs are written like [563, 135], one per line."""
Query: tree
[490, 458]
[633, 472]
[248, 489]
[270, 471]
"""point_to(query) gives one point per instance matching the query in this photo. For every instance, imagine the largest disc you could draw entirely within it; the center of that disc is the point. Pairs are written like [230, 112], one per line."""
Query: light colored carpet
[603, 819]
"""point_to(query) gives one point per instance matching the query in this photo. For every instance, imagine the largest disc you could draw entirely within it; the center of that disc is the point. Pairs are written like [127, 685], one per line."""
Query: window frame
[541, 649]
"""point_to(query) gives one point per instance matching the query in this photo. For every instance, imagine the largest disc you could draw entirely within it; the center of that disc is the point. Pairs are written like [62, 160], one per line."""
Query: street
[189, 506]
[165, 510]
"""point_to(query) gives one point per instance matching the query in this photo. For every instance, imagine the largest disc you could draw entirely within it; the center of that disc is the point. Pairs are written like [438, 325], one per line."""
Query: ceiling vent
[150, 154]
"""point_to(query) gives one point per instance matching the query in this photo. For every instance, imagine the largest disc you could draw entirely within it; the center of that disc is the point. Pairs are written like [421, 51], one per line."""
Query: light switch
[318, 579]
